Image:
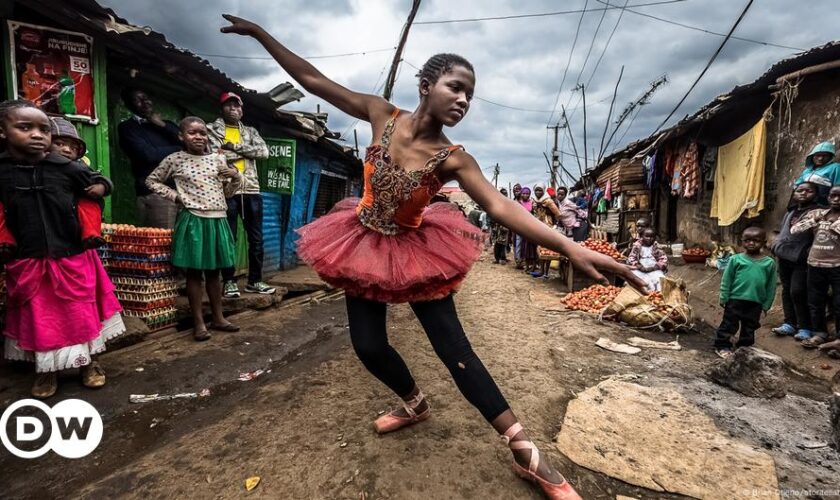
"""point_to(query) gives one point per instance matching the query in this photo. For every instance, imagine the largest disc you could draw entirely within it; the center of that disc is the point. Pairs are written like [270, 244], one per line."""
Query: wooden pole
[392, 74]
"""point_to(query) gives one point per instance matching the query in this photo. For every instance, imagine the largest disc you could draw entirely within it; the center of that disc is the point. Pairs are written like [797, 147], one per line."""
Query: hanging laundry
[649, 164]
[739, 180]
[676, 172]
[690, 171]
[608, 190]
[710, 163]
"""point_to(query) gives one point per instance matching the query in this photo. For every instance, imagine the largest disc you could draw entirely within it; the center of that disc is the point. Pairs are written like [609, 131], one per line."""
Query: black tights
[369, 335]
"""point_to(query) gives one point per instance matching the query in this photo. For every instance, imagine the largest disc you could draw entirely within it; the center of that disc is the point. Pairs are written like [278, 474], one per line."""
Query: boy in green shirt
[748, 287]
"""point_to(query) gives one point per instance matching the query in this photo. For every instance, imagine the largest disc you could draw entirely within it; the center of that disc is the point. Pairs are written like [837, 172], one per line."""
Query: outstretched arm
[463, 168]
[365, 107]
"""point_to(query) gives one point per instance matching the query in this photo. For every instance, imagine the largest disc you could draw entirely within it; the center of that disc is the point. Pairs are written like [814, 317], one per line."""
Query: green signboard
[277, 172]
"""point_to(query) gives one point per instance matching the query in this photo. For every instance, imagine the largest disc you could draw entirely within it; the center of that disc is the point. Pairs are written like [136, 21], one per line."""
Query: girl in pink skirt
[61, 307]
[393, 245]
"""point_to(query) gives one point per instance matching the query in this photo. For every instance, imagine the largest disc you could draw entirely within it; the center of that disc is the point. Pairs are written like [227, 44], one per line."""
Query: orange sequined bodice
[394, 198]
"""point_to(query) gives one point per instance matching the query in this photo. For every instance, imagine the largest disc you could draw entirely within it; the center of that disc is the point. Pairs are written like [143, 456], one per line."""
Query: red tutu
[417, 265]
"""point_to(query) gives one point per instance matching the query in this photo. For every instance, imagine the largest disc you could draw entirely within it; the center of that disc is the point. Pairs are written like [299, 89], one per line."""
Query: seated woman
[648, 261]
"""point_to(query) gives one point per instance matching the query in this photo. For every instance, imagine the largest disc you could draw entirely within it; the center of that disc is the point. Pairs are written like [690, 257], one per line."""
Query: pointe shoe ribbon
[391, 422]
[554, 491]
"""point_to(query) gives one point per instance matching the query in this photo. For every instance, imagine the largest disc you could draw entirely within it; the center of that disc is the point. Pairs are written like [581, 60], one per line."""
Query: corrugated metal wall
[273, 229]
[302, 203]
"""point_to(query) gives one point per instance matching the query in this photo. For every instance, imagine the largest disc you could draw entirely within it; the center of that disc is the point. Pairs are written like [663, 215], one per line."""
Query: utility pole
[585, 157]
[572, 139]
[496, 171]
[392, 74]
[555, 161]
[356, 141]
[609, 117]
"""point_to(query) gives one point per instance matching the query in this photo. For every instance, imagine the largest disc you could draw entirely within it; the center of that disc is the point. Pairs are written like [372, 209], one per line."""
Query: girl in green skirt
[201, 242]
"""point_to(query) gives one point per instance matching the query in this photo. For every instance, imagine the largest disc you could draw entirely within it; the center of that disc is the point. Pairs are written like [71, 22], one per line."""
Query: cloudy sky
[520, 62]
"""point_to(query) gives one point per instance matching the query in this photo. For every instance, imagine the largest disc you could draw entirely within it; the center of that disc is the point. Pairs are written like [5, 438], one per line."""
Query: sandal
[814, 342]
[230, 327]
[45, 385]
[201, 335]
[391, 422]
[93, 376]
[554, 491]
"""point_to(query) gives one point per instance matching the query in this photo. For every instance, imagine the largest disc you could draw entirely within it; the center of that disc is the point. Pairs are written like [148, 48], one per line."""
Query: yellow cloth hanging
[739, 179]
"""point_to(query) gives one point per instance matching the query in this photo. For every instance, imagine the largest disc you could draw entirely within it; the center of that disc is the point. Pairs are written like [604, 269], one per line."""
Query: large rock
[752, 372]
[835, 420]
[656, 439]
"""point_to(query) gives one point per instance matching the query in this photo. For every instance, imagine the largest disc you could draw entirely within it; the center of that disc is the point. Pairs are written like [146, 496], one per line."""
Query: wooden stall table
[564, 266]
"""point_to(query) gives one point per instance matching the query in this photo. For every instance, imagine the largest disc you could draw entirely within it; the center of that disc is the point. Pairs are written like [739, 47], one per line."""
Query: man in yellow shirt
[242, 146]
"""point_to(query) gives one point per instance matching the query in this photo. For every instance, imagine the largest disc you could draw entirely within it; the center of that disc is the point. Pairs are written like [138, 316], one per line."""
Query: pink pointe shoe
[391, 422]
[554, 491]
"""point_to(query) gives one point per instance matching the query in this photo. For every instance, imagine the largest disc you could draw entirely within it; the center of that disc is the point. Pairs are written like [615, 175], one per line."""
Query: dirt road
[305, 427]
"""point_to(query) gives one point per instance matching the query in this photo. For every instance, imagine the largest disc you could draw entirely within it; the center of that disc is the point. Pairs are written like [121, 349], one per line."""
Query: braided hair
[440, 64]
[6, 107]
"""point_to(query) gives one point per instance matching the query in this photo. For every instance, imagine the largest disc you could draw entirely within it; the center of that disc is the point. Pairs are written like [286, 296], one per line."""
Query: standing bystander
[242, 147]
[823, 265]
[146, 139]
[747, 288]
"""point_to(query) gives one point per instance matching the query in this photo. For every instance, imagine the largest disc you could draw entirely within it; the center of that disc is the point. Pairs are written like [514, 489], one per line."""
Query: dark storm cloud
[518, 62]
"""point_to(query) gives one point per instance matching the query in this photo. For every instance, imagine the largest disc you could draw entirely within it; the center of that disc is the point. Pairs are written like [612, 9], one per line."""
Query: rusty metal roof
[747, 100]
[143, 45]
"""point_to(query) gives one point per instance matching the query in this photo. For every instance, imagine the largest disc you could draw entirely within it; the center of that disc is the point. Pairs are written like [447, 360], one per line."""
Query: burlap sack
[634, 309]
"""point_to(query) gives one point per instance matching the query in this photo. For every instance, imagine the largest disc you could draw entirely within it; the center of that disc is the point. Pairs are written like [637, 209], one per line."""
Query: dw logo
[30, 428]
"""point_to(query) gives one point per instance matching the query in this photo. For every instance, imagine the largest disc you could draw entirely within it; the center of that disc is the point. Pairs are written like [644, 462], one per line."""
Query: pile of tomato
[603, 247]
[592, 299]
[696, 251]
[656, 299]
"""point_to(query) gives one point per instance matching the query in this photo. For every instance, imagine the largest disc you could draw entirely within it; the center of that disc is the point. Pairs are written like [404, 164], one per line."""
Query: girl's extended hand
[590, 261]
[239, 26]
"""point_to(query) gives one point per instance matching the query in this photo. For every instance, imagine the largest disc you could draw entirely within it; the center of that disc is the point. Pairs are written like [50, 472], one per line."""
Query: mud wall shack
[319, 173]
[798, 98]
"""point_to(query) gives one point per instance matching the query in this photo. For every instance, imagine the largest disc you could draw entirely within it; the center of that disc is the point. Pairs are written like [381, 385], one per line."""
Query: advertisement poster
[277, 172]
[52, 68]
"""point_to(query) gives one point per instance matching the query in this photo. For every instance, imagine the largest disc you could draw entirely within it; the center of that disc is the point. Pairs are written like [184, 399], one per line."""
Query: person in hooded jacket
[791, 251]
[822, 170]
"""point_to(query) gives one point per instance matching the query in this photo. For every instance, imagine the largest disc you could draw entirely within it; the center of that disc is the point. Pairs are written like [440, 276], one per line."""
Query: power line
[488, 101]
[696, 28]
[606, 45]
[223, 56]
[589, 52]
[543, 14]
[568, 63]
[376, 89]
[708, 64]
[598, 63]
[512, 107]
